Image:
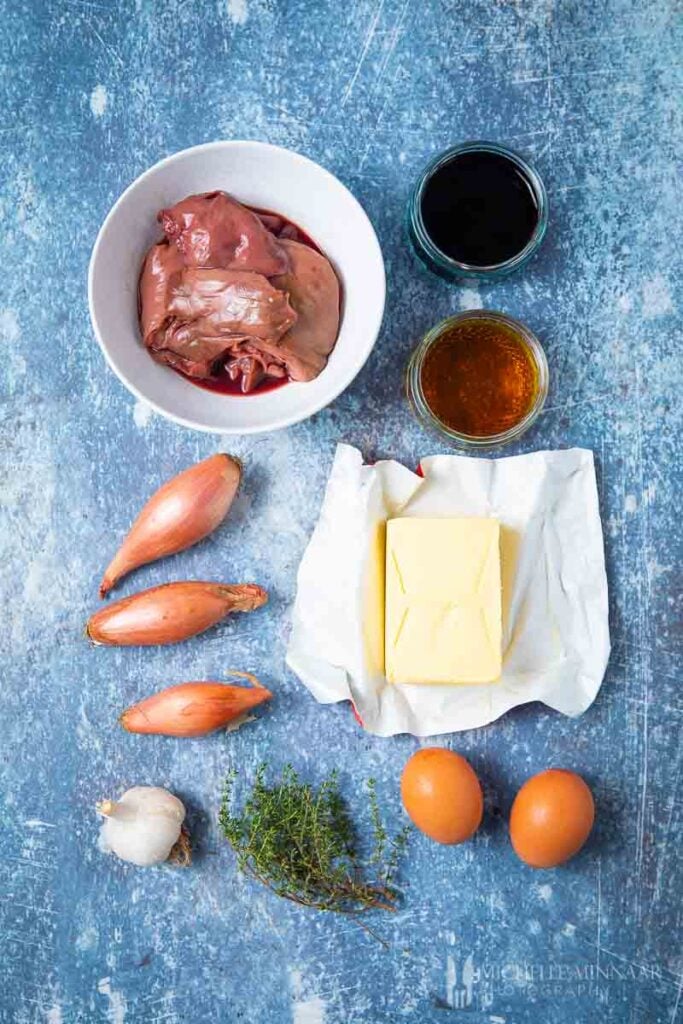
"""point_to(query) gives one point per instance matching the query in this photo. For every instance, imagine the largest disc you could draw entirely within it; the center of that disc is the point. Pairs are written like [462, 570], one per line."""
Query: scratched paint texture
[91, 94]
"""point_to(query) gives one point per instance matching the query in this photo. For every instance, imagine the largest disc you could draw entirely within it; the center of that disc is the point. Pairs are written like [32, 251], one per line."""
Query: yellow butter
[443, 601]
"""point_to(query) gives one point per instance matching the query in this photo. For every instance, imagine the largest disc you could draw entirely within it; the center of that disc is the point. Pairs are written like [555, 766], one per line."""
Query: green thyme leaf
[301, 843]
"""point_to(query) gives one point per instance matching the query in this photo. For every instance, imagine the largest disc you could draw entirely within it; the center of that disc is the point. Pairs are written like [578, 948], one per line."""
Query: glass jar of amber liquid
[479, 378]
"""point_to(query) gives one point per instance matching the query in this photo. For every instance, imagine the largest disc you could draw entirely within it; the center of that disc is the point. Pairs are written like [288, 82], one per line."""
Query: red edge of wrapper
[354, 712]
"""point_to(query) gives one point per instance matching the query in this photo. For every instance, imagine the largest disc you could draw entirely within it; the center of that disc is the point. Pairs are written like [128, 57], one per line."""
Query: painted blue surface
[91, 94]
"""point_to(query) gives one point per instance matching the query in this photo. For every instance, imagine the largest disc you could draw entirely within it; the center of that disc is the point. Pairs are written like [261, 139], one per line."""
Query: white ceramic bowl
[260, 175]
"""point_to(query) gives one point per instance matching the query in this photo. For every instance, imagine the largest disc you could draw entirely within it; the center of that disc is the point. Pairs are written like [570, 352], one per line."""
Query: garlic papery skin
[142, 826]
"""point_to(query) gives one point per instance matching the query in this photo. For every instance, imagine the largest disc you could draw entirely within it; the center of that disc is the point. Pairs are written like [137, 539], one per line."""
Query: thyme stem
[301, 843]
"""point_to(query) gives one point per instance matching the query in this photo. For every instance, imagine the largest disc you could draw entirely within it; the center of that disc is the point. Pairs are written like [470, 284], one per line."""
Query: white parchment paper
[555, 612]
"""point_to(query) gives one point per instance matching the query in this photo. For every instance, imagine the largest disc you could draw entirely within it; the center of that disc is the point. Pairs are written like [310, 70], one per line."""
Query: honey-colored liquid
[479, 378]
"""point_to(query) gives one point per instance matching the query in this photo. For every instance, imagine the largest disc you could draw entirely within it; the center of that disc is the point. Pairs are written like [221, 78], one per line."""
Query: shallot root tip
[234, 458]
[249, 676]
[181, 854]
[124, 717]
[88, 635]
[105, 807]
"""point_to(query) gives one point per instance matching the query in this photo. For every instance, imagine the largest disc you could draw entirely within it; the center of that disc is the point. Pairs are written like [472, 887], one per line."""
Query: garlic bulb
[142, 826]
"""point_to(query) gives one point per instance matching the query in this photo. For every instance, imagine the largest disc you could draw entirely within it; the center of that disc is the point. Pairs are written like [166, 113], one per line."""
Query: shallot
[171, 612]
[193, 709]
[144, 827]
[182, 512]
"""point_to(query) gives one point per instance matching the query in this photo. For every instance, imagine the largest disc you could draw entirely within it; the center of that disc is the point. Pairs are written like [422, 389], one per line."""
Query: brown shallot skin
[182, 512]
[192, 709]
[170, 613]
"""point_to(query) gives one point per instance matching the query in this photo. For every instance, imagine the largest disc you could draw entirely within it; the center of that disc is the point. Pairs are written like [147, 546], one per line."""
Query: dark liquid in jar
[479, 208]
[479, 378]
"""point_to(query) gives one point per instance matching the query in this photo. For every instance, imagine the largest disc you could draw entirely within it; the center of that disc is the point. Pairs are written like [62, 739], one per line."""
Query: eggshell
[551, 818]
[442, 795]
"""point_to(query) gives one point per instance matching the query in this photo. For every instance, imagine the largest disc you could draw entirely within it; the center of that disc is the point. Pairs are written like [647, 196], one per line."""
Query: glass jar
[442, 264]
[425, 414]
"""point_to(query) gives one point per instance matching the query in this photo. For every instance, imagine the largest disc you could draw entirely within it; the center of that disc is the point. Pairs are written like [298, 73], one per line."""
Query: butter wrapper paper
[555, 611]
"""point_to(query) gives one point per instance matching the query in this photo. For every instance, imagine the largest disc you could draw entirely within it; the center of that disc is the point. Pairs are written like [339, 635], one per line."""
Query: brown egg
[551, 818]
[442, 795]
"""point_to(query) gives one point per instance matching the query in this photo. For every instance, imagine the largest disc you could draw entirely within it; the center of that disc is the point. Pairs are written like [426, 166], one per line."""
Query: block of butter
[443, 601]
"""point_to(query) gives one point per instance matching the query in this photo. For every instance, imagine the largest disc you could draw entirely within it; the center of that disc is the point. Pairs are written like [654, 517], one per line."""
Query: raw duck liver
[214, 230]
[223, 296]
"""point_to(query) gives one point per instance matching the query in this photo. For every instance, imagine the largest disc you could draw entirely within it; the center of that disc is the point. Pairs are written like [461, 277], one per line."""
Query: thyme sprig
[301, 843]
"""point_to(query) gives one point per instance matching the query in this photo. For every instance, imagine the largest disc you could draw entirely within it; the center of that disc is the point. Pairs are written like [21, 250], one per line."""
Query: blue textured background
[91, 94]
